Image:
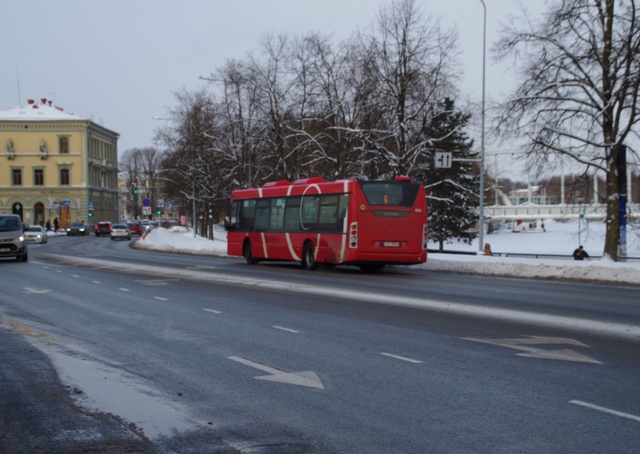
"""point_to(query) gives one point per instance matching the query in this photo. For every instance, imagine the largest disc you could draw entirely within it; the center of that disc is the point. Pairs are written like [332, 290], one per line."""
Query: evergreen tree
[452, 192]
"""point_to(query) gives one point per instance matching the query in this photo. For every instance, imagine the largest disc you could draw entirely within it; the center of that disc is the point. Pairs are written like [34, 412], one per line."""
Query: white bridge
[530, 212]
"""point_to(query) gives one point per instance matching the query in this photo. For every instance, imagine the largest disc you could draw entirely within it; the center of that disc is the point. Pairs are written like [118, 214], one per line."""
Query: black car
[103, 228]
[78, 228]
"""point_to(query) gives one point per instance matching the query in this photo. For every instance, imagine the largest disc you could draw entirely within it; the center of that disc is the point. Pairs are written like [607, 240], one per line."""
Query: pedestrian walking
[56, 224]
[580, 254]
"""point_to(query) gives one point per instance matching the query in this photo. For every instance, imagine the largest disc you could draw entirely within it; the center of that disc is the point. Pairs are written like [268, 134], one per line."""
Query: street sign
[91, 207]
[146, 202]
[443, 160]
[146, 210]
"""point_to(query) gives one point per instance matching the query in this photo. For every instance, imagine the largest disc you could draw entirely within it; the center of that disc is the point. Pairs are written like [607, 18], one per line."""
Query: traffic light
[158, 211]
[134, 188]
[90, 213]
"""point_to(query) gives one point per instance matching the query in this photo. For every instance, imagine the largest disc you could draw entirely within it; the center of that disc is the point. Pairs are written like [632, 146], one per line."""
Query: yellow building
[56, 165]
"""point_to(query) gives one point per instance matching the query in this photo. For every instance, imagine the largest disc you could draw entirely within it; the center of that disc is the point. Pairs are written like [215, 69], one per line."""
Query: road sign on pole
[443, 160]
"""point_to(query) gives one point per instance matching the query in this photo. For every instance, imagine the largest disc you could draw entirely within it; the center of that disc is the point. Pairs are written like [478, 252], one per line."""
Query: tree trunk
[612, 235]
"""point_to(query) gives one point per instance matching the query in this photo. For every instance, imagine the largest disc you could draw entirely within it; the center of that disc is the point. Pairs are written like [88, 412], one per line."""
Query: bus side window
[247, 215]
[276, 222]
[309, 215]
[262, 215]
[292, 215]
[232, 222]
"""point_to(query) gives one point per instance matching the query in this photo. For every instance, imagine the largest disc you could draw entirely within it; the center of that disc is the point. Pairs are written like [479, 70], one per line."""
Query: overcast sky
[119, 62]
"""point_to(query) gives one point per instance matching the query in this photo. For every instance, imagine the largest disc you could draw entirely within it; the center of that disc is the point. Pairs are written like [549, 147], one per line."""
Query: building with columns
[54, 164]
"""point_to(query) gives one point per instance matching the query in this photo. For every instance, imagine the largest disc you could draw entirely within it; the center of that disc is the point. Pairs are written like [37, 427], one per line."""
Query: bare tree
[579, 93]
[408, 67]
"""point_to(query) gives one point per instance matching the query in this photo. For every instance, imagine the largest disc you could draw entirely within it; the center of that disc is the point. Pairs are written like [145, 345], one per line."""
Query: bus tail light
[424, 237]
[353, 235]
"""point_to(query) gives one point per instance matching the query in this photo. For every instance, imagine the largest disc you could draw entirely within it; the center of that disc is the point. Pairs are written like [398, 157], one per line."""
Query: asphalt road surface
[110, 349]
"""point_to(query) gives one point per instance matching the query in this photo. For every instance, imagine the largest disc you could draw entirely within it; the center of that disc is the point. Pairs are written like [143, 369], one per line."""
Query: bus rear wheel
[246, 253]
[308, 257]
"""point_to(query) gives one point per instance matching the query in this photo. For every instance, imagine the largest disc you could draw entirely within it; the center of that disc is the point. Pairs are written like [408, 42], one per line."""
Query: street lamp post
[484, 59]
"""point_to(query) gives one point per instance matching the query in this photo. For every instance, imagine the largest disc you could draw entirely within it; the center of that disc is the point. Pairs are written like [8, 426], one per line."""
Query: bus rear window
[390, 193]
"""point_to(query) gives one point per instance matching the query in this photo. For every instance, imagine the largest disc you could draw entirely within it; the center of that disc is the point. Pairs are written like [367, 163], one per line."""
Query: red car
[134, 228]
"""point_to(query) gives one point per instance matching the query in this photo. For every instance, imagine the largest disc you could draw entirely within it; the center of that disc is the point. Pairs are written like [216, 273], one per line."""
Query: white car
[120, 231]
[36, 234]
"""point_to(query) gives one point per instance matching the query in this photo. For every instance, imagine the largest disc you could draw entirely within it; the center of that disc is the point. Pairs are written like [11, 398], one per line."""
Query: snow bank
[181, 240]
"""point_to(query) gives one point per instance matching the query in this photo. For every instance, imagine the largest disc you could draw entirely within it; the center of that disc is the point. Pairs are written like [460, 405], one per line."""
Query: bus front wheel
[246, 253]
[308, 257]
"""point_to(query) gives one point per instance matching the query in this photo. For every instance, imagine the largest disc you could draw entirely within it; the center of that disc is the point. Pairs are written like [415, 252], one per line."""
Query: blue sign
[67, 203]
[91, 205]
[146, 202]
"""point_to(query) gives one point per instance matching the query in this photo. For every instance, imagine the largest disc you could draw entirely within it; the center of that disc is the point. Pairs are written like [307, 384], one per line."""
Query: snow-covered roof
[42, 110]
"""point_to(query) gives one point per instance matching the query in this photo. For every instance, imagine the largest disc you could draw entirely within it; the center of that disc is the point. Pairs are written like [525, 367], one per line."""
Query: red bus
[349, 222]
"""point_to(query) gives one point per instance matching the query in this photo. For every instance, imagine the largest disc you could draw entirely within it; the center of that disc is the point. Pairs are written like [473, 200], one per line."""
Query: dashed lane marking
[402, 358]
[605, 410]
[282, 328]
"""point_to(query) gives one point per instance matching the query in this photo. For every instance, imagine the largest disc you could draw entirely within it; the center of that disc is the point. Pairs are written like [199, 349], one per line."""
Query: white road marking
[96, 282]
[33, 290]
[401, 358]
[123, 289]
[306, 378]
[161, 298]
[605, 410]
[521, 344]
[75, 275]
[289, 330]
[212, 311]
[156, 281]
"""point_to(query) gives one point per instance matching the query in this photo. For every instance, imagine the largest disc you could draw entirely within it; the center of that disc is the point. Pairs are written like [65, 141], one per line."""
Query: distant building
[530, 195]
[54, 164]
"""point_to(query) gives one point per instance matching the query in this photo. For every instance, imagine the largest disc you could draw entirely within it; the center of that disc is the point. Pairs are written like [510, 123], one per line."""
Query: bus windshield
[390, 193]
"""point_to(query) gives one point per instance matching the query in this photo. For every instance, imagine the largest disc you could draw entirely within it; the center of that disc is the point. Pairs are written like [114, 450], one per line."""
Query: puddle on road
[106, 389]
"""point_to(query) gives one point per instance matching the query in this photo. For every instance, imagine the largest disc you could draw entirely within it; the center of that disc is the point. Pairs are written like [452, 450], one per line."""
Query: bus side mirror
[227, 222]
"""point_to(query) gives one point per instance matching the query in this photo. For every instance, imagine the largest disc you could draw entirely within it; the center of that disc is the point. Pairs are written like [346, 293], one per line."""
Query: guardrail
[574, 211]
[529, 256]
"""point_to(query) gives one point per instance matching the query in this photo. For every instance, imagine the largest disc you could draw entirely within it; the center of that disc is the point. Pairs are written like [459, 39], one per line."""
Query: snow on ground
[560, 239]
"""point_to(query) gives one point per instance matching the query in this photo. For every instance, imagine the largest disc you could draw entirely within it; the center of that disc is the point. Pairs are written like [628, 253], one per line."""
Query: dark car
[134, 228]
[103, 228]
[78, 228]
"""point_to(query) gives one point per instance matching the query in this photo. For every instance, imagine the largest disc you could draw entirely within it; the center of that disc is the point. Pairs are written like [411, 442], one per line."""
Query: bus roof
[285, 188]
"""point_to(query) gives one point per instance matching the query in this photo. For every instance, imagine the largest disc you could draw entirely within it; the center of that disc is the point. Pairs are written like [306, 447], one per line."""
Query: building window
[38, 177]
[16, 177]
[64, 177]
[64, 145]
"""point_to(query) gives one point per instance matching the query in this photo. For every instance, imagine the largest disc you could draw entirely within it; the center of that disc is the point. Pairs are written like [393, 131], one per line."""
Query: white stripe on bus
[264, 245]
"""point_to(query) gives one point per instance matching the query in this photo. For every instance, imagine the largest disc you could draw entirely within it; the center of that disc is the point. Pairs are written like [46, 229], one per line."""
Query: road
[175, 353]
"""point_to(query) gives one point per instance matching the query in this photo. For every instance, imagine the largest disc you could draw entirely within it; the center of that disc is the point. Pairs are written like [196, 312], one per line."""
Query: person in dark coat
[580, 254]
[55, 225]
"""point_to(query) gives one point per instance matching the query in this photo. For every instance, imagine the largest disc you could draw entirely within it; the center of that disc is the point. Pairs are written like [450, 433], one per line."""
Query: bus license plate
[390, 244]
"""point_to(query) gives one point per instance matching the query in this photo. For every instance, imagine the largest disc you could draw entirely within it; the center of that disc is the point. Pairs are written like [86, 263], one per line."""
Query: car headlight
[21, 239]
